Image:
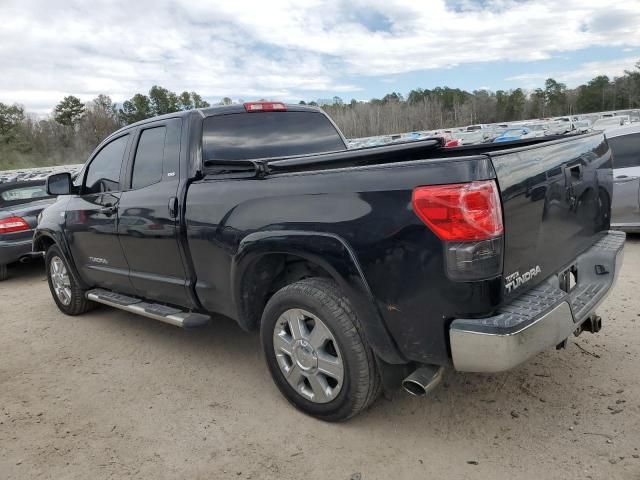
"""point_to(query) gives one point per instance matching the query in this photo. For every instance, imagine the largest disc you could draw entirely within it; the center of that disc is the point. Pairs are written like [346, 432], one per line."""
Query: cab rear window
[246, 136]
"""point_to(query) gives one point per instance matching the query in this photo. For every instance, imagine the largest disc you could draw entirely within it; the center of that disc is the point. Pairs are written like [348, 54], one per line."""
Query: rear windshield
[23, 194]
[246, 136]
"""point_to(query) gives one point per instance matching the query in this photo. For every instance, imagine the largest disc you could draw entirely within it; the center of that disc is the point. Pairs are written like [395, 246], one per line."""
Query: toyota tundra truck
[363, 269]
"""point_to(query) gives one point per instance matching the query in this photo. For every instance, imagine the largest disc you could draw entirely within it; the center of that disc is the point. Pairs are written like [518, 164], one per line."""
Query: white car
[606, 123]
[625, 147]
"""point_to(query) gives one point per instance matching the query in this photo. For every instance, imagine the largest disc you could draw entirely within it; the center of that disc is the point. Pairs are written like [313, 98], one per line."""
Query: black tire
[4, 274]
[78, 303]
[323, 298]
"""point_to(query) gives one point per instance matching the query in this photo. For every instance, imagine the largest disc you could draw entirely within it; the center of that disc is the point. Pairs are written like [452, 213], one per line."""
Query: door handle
[173, 207]
[109, 210]
[624, 179]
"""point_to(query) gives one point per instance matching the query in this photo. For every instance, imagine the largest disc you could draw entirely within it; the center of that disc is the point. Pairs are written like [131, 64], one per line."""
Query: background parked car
[625, 146]
[538, 129]
[511, 134]
[20, 205]
[606, 123]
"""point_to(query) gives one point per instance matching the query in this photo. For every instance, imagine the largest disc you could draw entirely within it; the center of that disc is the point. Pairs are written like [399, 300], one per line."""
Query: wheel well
[43, 243]
[266, 276]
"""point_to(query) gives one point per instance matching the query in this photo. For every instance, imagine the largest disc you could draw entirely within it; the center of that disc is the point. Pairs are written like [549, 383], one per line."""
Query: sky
[305, 49]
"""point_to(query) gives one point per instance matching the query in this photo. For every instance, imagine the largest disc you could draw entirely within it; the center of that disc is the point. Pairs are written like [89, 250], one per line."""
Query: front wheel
[67, 294]
[316, 351]
[3, 272]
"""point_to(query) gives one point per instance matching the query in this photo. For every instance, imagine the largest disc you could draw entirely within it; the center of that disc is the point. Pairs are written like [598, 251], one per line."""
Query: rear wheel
[67, 294]
[316, 350]
[3, 272]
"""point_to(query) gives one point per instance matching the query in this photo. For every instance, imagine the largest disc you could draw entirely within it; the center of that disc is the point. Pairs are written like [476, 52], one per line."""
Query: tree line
[443, 107]
[75, 128]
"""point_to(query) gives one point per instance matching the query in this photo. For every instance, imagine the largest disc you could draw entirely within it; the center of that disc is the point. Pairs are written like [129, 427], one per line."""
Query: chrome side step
[156, 311]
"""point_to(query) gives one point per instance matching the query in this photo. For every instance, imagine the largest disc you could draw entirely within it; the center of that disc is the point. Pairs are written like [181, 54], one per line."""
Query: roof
[208, 112]
[21, 183]
[624, 130]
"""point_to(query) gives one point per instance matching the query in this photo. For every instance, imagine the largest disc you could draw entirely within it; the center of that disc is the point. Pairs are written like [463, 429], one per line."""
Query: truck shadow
[556, 386]
[33, 270]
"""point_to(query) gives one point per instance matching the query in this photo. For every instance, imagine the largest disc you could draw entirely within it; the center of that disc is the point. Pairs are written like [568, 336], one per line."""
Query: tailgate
[556, 200]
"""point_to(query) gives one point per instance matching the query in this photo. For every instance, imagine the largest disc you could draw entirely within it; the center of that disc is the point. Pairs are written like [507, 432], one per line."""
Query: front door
[91, 220]
[148, 224]
[625, 211]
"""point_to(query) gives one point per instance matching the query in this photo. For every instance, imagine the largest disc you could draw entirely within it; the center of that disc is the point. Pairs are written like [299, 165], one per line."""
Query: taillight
[13, 224]
[468, 218]
[452, 143]
[265, 107]
[460, 211]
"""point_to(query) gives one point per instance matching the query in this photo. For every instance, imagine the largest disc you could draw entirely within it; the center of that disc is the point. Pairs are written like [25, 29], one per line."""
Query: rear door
[556, 203]
[148, 224]
[91, 219]
[626, 181]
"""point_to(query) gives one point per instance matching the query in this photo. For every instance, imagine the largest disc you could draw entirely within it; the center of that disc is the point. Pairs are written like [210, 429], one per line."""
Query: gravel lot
[112, 395]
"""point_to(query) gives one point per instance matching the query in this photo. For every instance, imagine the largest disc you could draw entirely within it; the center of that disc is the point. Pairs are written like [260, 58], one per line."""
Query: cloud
[281, 48]
[585, 72]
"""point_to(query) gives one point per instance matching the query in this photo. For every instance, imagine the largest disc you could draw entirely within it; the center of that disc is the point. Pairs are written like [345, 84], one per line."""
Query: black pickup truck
[362, 269]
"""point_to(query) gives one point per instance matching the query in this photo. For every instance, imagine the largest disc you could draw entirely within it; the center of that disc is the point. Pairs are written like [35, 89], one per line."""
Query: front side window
[626, 150]
[103, 174]
[147, 166]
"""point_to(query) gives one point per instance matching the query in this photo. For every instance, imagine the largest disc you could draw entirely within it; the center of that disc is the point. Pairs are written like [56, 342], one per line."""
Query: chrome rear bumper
[541, 318]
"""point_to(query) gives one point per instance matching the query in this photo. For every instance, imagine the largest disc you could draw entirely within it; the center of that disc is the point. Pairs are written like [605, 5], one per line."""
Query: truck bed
[363, 198]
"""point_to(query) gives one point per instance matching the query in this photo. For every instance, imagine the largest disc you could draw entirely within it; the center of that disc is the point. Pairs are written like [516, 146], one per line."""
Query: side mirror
[59, 184]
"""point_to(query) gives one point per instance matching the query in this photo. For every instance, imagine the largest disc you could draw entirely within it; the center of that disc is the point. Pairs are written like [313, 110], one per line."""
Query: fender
[332, 253]
[59, 239]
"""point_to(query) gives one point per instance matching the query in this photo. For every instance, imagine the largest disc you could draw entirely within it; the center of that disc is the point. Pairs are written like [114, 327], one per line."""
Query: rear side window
[147, 165]
[245, 136]
[103, 174]
[626, 150]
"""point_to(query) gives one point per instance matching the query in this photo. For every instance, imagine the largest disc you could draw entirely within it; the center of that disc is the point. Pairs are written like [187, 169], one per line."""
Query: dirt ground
[113, 395]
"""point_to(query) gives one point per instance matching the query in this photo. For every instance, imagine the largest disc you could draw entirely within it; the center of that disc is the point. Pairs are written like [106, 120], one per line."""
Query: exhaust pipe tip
[28, 257]
[414, 388]
[423, 380]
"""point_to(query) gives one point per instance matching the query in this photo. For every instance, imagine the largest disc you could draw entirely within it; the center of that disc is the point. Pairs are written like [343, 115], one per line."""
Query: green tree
[198, 102]
[11, 117]
[516, 101]
[136, 109]
[538, 104]
[100, 120]
[69, 111]
[556, 96]
[185, 102]
[163, 101]
[593, 96]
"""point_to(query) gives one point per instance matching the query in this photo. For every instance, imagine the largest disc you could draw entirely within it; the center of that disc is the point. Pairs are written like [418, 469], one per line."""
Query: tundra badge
[513, 281]
[99, 260]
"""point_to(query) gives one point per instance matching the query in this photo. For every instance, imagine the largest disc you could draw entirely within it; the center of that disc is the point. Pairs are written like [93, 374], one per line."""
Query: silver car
[625, 146]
